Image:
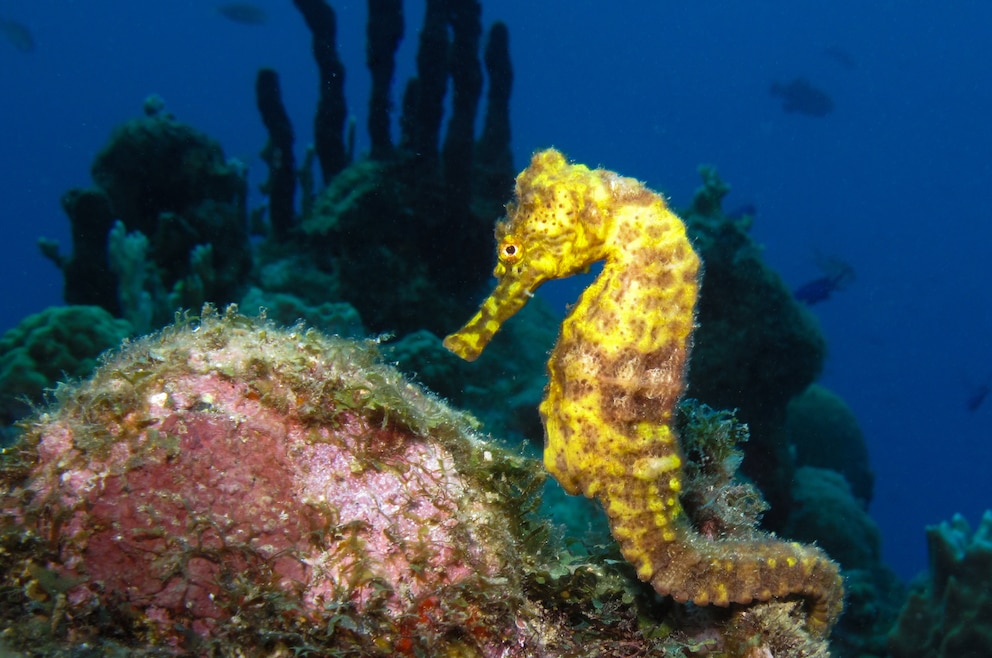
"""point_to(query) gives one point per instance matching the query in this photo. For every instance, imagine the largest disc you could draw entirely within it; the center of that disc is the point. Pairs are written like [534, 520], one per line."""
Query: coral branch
[466, 79]
[383, 34]
[278, 153]
[87, 279]
[427, 92]
[331, 110]
[493, 149]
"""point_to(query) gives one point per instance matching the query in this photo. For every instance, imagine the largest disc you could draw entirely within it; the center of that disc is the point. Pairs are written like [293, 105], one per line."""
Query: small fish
[18, 35]
[800, 97]
[837, 275]
[742, 211]
[977, 397]
[841, 56]
[244, 13]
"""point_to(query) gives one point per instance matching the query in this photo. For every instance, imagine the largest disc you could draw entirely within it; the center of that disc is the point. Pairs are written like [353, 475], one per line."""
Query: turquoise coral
[46, 347]
[950, 613]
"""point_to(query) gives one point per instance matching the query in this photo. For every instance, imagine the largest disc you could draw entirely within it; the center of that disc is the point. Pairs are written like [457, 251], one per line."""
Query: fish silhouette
[244, 13]
[843, 58]
[17, 34]
[977, 396]
[742, 211]
[800, 97]
[837, 275]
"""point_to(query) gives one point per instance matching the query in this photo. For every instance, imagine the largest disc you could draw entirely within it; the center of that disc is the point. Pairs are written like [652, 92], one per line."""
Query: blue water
[895, 180]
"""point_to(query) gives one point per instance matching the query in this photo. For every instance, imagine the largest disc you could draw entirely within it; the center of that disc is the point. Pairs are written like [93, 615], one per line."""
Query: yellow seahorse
[615, 377]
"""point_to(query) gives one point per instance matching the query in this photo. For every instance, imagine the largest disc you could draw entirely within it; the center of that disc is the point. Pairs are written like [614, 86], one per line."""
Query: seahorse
[616, 375]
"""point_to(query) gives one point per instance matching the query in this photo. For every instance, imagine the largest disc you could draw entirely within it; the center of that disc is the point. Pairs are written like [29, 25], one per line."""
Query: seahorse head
[549, 232]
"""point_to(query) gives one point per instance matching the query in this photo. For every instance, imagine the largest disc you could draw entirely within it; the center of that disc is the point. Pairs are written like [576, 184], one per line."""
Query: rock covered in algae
[228, 483]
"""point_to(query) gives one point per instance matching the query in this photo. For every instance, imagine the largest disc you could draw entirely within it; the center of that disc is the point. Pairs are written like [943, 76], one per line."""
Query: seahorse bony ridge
[616, 375]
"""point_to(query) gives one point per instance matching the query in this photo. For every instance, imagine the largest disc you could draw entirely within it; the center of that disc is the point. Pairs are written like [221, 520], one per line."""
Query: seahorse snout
[509, 296]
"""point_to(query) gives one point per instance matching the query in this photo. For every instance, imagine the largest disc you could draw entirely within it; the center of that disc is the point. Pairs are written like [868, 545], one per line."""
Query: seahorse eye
[509, 251]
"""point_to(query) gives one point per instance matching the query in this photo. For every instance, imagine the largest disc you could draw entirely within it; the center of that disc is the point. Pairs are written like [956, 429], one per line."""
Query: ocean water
[894, 180]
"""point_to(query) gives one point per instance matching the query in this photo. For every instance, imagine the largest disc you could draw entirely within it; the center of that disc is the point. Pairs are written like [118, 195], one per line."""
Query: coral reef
[328, 122]
[872, 600]
[278, 153]
[718, 503]
[88, 280]
[494, 162]
[827, 512]
[616, 375]
[755, 348]
[399, 242]
[423, 97]
[950, 613]
[824, 433]
[412, 220]
[182, 236]
[383, 34]
[464, 17]
[337, 318]
[395, 234]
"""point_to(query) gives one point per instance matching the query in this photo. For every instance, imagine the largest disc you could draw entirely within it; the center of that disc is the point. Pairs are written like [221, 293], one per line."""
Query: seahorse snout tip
[459, 345]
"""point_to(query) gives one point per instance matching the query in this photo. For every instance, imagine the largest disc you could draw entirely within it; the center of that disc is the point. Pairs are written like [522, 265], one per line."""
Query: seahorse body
[616, 375]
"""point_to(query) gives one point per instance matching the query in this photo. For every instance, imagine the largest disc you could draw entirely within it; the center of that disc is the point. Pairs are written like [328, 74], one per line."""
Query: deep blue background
[896, 180]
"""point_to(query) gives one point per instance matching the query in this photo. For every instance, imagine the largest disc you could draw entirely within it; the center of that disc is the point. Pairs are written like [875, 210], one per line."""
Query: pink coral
[206, 474]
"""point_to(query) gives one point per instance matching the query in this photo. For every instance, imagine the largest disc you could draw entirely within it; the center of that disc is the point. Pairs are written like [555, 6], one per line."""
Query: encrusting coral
[227, 484]
[616, 375]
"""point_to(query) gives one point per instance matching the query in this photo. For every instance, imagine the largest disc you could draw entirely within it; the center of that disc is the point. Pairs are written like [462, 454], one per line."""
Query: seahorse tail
[681, 563]
[825, 593]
